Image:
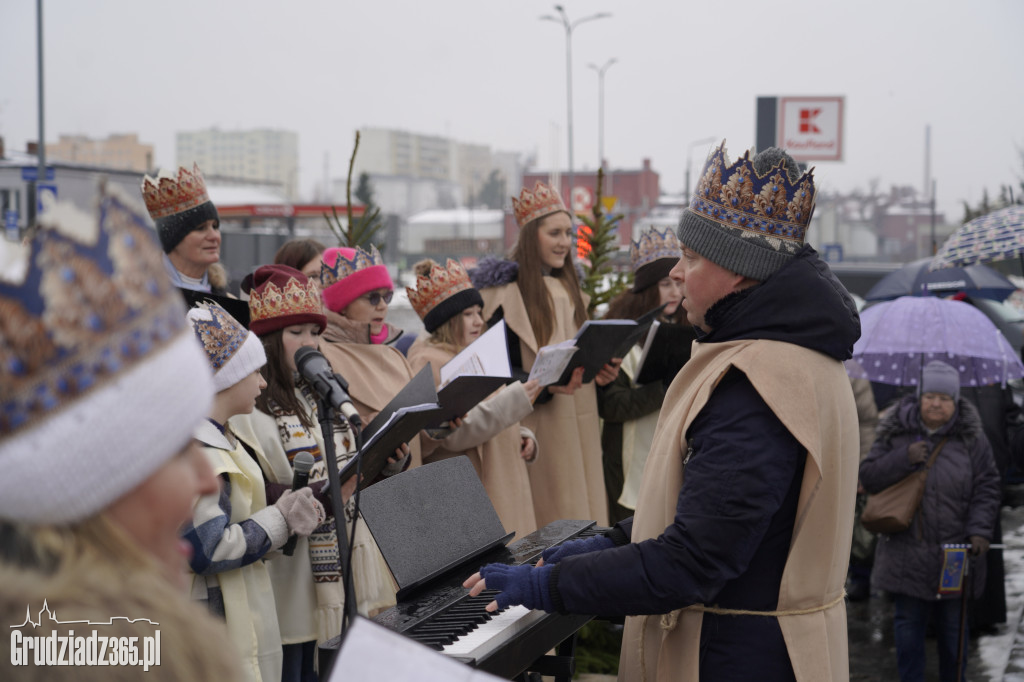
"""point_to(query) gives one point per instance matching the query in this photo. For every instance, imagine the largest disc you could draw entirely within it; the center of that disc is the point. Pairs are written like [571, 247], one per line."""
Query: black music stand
[431, 519]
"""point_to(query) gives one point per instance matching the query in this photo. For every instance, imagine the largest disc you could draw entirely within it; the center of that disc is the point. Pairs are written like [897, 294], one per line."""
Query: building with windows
[120, 152]
[263, 155]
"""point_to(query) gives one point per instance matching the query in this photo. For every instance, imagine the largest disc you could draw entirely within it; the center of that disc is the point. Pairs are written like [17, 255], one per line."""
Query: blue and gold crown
[770, 206]
[345, 265]
[221, 336]
[91, 302]
[654, 245]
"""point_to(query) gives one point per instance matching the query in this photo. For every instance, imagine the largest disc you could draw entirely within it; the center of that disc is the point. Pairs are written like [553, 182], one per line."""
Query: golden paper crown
[221, 335]
[536, 204]
[654, 245]
[294, 300]
[166, 195]
[439, 284]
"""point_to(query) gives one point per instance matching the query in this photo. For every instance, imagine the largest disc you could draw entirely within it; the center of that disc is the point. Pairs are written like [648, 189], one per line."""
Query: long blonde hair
[93, 571]
[536, 297]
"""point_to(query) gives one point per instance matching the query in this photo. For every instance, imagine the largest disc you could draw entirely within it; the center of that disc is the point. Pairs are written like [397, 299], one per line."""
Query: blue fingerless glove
[523, 584]
[552, 555]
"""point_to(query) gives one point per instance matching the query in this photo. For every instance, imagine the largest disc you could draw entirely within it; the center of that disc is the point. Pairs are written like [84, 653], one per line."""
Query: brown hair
[280, 390]
[630, 306]
[297, 252]
[536, 298]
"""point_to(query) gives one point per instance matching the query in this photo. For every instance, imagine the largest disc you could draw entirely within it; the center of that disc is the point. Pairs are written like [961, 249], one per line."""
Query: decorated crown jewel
[440, 284]
[343, 267]
[654, 245]
[221, 336]
[536, 204]
[166, 195]
[770, 205]
[94, 300]
[294, 298]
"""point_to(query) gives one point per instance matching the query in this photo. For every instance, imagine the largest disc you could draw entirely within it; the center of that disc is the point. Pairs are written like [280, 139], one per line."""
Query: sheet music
[551, 362]
[487, 356]
[373, 652]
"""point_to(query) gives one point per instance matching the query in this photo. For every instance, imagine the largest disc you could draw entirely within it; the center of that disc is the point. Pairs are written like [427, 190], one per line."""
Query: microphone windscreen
[303, 462]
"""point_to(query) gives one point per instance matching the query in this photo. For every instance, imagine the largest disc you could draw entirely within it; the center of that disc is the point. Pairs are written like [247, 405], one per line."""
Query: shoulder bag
[892, 510]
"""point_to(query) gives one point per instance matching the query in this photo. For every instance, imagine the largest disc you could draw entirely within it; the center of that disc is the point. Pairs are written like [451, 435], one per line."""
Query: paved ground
[998, 657]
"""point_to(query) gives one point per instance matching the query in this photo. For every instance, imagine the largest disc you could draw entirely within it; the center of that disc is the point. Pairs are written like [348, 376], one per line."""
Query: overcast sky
[490, 72]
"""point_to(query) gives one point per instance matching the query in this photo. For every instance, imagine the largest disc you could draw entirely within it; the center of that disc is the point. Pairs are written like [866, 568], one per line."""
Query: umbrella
[916, 278]
[998, 235]
[899, 337]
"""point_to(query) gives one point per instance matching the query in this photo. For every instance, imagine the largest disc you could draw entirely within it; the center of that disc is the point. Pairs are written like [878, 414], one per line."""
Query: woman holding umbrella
[960, 504]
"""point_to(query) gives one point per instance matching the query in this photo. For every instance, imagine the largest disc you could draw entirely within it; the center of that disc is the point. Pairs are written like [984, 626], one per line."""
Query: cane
[963, 622]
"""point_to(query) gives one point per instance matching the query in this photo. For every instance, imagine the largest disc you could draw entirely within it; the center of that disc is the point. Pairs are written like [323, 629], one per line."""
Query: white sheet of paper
[487, 356]
[373, 652]
[551, 361]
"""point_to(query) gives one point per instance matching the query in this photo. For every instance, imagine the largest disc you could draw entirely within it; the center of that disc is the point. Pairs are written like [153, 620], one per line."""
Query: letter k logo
[807, 117]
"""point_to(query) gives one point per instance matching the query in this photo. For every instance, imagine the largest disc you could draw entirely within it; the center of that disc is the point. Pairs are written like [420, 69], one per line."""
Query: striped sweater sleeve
[219, 545]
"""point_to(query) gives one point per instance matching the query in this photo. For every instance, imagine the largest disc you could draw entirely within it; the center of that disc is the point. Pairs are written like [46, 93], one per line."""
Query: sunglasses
[375, 297]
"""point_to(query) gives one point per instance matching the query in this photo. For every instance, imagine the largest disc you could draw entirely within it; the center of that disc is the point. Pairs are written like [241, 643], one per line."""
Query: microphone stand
[327, 415]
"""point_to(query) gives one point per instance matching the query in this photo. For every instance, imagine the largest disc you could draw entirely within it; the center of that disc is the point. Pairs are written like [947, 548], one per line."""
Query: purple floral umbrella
[899, 337]
[998, 235]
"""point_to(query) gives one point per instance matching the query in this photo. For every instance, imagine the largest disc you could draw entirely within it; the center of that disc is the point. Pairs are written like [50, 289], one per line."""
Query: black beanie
[450, 307]
[173, 228]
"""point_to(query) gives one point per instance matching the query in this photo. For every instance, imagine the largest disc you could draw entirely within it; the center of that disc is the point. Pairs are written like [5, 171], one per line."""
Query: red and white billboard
[811, 128]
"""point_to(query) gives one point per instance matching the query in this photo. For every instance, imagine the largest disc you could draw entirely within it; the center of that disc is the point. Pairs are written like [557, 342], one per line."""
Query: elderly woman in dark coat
[960, 505]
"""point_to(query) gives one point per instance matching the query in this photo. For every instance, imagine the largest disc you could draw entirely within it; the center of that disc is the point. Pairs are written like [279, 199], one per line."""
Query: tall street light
[689, 162]
[600, 107]
[563, 18]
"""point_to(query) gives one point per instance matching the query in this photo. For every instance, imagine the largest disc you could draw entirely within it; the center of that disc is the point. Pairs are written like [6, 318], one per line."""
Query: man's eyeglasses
[375, 297]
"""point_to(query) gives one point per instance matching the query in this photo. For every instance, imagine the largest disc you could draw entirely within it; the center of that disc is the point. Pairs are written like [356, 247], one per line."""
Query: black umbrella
[914, 279]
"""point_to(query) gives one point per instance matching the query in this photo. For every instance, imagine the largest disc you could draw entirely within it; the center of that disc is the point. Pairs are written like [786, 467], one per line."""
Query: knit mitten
[301, 511]
[523, 584]
[552, 555]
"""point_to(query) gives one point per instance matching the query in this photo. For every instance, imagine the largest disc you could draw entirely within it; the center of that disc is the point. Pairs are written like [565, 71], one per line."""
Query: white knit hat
[100, 381]
[234, 352]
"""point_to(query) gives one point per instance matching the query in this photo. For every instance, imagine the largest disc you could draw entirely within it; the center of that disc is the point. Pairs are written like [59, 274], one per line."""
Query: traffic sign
[31, 173]
[11, 225]
[45, 194]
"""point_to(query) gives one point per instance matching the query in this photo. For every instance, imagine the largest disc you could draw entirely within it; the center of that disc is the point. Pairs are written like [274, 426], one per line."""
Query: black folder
[414, 408]
[665, 354]
[236, 308]
[597, 342]
[465, 392]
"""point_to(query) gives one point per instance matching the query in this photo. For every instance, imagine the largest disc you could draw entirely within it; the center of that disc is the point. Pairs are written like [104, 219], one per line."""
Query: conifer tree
[359, 232]
[595, 247]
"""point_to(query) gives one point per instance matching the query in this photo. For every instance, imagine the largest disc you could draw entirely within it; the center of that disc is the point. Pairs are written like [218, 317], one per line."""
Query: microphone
[327, 383]
[303, 462]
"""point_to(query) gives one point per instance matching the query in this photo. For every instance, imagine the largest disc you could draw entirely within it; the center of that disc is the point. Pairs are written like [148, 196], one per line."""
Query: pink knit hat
[346, 274]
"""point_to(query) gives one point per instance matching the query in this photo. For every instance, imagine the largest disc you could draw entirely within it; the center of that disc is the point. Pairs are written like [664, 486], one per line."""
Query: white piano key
[493, 634]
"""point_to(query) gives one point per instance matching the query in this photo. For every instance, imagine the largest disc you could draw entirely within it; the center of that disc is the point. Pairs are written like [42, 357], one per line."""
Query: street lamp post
[600, 107]
[563, 18]
[689, 162]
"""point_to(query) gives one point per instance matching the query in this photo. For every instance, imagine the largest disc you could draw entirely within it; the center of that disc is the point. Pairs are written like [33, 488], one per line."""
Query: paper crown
[92, 337]
[343, 266]
[769, 206]
[166, 195]
[281, 297]
[443, 293]
[233, 351]
[654, 245]
[536, 204]
[89, 307]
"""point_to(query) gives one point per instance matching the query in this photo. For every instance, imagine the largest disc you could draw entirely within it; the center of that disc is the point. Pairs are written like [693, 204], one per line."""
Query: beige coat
[811, 395]
[375, 372]
[567, 483]
[492, 427]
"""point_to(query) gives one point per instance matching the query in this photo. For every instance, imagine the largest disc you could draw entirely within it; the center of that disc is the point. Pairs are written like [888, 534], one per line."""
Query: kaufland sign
[811, 128]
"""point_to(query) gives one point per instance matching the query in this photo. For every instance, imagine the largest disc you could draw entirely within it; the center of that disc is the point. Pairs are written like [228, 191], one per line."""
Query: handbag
[892, 510]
